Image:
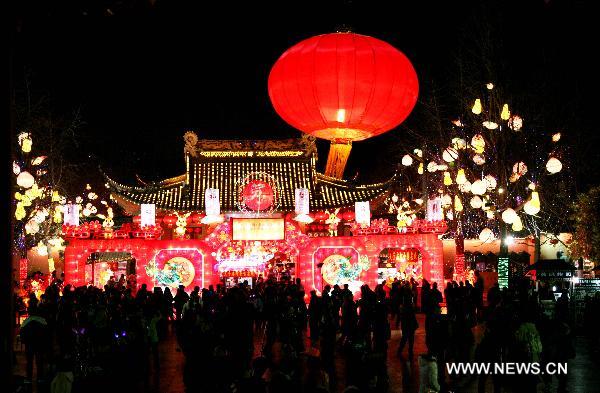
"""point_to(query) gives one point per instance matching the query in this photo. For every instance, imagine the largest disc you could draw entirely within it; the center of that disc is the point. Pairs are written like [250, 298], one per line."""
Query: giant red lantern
[343, 87]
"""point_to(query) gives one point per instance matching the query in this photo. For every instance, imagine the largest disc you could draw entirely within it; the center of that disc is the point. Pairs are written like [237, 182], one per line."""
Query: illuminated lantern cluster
[343, 87]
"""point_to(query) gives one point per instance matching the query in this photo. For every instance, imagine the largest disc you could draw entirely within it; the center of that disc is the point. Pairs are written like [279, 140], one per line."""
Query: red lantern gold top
[343, 86]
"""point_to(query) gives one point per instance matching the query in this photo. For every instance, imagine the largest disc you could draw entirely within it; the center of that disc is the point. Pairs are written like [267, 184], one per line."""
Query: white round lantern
[446, 200]
[476, 202]
[32, 227]
[25, 179]
[479, 187]
[465, 187]
[486, 235]
[450, 154]
[432, 167]
[509, 216]
[553, 165]
[407, 160]
[490, 182]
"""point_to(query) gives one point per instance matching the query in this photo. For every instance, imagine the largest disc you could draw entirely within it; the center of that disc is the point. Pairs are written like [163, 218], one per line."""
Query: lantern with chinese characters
[343, 87]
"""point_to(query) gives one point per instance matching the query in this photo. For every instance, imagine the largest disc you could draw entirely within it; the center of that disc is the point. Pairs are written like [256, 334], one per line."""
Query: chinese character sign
[434, 209]
[302, 201]
[148, 213]
[362, 213]
[211, 199]
[71, 212]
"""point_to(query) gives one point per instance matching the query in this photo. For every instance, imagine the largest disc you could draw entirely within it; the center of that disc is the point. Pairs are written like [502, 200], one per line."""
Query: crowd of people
[274, 337]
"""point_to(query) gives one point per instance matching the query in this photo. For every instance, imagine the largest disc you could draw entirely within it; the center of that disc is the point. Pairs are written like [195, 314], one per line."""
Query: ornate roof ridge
[321, 177]
[195, 146]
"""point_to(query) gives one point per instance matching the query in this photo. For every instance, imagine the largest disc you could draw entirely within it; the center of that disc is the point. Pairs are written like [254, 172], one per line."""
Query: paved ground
[583, 376]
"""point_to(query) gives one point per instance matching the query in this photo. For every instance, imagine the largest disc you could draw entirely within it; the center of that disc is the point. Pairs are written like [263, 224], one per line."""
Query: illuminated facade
[256, 182]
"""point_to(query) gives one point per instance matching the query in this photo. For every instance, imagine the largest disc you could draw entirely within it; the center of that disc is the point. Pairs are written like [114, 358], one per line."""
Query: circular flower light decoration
[553, 165]
[515, 123]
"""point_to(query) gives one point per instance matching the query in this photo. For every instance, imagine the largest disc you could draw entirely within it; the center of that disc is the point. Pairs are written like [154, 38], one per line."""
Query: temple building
[251, 188]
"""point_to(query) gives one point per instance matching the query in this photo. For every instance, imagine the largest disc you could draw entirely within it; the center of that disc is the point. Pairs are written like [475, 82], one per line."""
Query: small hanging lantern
[477, 107]
[505, 115]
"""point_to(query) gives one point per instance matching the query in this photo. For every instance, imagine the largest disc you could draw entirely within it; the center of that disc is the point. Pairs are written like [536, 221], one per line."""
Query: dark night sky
[144, 75]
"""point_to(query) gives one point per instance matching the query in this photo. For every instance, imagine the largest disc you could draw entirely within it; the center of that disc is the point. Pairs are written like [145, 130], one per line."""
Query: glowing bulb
[505, 115]
[490, 86]
[460, 177]
[457, 204]
[556, 137]
[447, 179]
[517, 225]
[341, 115]
[532, 206]
[509, 240]
[476, 107]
